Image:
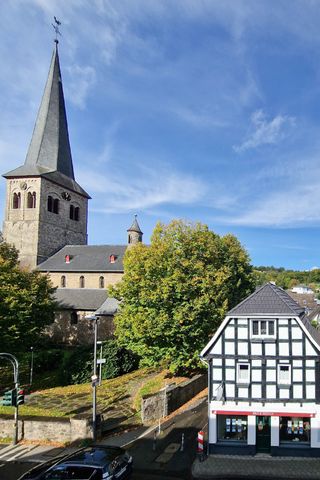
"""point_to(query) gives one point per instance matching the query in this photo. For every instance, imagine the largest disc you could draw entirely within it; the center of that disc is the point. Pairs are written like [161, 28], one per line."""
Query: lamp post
[15, 365]
[94, 377]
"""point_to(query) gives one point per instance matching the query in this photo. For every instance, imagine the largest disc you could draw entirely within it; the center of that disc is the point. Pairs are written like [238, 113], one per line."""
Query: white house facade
[264, 378]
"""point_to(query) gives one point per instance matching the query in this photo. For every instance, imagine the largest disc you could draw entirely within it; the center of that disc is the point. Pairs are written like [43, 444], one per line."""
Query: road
[153, 460]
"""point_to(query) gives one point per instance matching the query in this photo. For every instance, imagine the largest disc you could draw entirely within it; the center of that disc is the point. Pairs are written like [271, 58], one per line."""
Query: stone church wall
[91, 279]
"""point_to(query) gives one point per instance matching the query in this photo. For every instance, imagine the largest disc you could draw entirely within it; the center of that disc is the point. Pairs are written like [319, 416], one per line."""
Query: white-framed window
[263, 328]
[243, 372]
[284, 374]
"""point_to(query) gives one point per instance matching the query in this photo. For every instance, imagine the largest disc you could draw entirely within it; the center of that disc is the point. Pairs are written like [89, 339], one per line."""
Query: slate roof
[80, 298]
[49, 153]
[109, 307]
[85, 258]
[268, 299]
[135, 227]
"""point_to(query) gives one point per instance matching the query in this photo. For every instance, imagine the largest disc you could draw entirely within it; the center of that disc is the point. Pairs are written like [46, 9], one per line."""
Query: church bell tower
[45, 207]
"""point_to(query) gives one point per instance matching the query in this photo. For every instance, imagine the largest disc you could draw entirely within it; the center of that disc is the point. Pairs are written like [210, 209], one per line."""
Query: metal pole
[100, 365]
[94, 383]
[31, 367]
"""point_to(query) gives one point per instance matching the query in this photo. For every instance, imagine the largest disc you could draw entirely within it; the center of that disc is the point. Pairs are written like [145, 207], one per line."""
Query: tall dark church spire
[49, 153]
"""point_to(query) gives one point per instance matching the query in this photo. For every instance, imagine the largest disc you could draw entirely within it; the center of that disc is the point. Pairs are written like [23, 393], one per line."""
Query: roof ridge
[276, 291]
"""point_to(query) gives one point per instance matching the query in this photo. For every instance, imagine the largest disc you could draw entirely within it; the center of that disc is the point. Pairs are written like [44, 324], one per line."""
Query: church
[46, 218]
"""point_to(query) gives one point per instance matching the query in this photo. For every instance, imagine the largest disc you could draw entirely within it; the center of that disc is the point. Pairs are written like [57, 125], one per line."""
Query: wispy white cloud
[264, 132]
[117, 192]
[81, 80]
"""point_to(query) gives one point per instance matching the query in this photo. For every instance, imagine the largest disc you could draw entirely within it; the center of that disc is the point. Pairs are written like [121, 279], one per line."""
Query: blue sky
[197, 109]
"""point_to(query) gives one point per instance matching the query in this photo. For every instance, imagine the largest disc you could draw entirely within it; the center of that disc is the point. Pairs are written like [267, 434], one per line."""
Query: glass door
[263, 436]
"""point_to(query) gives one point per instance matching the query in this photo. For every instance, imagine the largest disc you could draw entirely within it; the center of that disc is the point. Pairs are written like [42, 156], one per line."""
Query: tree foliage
[26, 303]
[287, 278]
[175, 292]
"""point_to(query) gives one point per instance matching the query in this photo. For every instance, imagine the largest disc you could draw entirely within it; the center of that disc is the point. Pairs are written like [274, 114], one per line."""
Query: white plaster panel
[230, 373]
[297, 375]
[217, 374]
[275, 425]
[229, 331]
[271, 391]
[315, 432]
[251, 437]
[242, 321]
[230, 362]
[216, 362]
[256, 375]
[256, 363]
[297, 348]
[217, 348]
[284, 349]
[297, 363]
[256, 391]
[270, 348]
[283, 333]
[310, 363]
[243, 392]
[271, 363]
[242, 333]
[243, 348]
[230, 390]
[311, 391]
[296, 333]
[284, 393]
[282, 322]
[256, 348]
[229, 348]
[310, 375]
[310, 350]
[271, 375]
[297, 391]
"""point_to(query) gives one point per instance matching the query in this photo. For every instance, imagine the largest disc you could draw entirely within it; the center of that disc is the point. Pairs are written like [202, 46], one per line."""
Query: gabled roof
[268, 299]
[49, 153]
[135, 226]
[85, 258]
[80, 298]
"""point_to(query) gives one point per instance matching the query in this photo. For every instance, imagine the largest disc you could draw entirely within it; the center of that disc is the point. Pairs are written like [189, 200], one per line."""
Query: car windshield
[74, 472]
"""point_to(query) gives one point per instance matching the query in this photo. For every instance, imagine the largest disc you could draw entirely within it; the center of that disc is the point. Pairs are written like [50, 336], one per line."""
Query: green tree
[175, 292]
[26, 303]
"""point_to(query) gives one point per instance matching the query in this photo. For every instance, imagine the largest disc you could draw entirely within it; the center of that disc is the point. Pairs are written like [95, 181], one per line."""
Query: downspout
[209, 390]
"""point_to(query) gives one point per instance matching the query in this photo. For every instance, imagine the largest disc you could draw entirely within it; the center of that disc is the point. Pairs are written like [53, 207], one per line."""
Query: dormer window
[263, 329]
[113, 258]
[67, 258]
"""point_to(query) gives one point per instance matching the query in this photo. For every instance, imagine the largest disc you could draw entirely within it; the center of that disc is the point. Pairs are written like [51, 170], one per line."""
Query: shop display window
[294, 429]
[232, 428]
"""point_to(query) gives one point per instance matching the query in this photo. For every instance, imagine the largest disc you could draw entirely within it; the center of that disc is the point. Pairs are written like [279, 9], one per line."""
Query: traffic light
[20, 397]
[9, 398]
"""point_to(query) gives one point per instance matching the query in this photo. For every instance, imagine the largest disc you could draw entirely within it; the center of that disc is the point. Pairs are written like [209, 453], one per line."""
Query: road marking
[168, 453]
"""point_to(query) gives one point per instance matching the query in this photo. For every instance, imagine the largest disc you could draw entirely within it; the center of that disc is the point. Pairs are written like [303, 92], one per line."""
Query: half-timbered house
[264, 378]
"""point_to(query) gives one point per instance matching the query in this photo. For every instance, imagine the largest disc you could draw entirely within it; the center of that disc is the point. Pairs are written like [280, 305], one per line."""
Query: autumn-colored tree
[175, 292]
[26, 303]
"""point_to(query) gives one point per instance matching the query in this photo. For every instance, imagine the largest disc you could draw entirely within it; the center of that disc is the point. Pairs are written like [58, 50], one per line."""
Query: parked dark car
[91, 463]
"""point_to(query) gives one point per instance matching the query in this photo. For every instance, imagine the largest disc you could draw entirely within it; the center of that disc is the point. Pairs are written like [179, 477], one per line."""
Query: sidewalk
[259, 467]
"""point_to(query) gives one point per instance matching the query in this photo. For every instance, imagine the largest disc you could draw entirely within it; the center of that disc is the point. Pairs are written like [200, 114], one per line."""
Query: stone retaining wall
[48, 429]
[171, 398]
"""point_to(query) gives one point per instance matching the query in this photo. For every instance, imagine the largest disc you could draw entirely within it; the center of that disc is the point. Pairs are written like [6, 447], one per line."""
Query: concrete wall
[49, 429]
[170, 399]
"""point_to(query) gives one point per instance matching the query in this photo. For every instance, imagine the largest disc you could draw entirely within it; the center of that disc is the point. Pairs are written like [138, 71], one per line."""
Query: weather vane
[56, 25]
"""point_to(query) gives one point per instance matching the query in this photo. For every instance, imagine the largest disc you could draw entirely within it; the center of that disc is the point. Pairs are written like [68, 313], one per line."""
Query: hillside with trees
[287, 278]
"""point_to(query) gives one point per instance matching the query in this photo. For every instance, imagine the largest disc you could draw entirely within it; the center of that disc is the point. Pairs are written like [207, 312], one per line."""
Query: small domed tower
[134, 233]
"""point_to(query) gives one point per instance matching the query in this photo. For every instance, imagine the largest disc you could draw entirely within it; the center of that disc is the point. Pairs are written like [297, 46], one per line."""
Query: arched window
[76, 214]
[101, 282]
[31, 200]
[63, 281]
[55, 205]
[81, 281]
[71, 213]
[50, 204]
[16, 202]
[74, 318]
